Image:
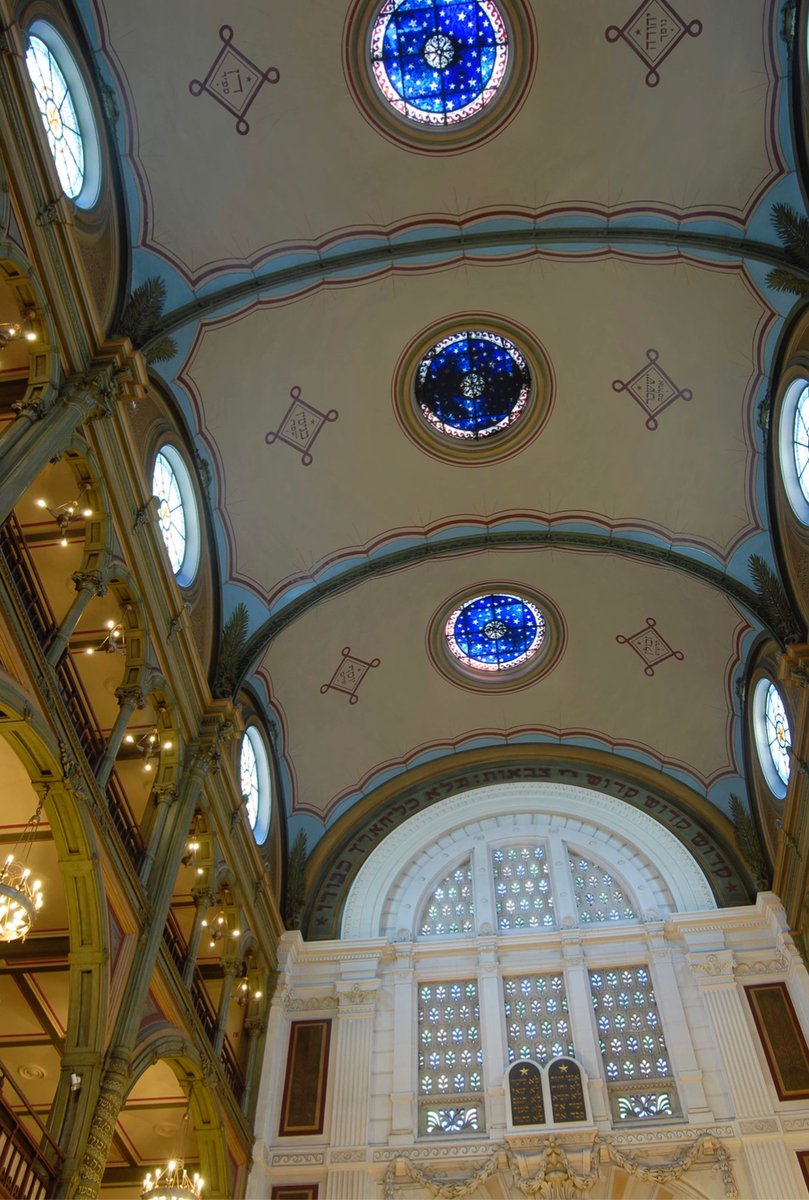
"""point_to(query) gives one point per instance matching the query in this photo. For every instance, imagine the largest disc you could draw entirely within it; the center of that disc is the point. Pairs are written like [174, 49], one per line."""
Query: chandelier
[13, 331]
[21, 897]
[173, 1182]
[67, 512]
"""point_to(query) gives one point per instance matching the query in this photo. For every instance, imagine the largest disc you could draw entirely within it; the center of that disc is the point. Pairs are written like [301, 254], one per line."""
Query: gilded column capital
[203, 897]
[130, 694]
[90, 581]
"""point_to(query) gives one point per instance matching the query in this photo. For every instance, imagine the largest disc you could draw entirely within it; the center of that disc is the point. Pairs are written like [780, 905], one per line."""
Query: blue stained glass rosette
[496, 632]
[472, 384]
[439, 63]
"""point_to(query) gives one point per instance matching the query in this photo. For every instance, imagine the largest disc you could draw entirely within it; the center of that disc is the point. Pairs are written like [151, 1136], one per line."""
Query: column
[43, 429]
[582, 1025]
[350, 1085]
[163, 796]
[230, 969]
[88, 584]
[495, 1056]
[403, 1095]
[129, 698]
[114, 1084]
[254, 1027]
[683, 1060]
[767, 1160]
[203, 899]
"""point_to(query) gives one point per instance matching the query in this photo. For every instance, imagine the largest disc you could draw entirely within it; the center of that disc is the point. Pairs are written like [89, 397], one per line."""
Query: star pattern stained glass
[248, 772]
[800, 442]
[58, 115]
[170, 512]
[439, 62]
[496, 632]
[779, 738]
[472, 384]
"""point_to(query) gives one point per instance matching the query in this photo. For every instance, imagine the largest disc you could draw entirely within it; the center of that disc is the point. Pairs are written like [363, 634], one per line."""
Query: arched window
[256, 782]
[449, 907]
[177, 513]
[773, 736]
[67, 114]
[793, 443]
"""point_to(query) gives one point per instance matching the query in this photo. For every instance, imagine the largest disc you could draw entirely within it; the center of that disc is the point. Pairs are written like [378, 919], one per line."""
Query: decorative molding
[348, 1156]
[233, 80]
[763, 1125]
[652, 32]
[293, 1003]
[650, 646]
[294, 1160]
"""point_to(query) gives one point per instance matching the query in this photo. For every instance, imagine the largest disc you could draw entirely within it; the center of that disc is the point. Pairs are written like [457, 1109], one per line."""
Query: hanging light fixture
[21, 897]
[64, 514]
[173, 1182]
[218, 927]
[150, 746]
[114, 642]
[15, 331]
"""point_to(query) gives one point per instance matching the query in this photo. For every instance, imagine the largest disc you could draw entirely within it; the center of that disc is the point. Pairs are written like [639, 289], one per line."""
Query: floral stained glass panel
[58, 115]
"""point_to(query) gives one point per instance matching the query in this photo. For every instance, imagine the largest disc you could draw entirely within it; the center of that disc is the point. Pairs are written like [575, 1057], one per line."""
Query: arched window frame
[90, 191]
[254, 737]
[186, 572]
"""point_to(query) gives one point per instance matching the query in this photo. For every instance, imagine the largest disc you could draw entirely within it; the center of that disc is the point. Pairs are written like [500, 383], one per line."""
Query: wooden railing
[78, 704]
[30, 1163]
[175, 942]
[205, 1012]
[26, 578]
[124, 821]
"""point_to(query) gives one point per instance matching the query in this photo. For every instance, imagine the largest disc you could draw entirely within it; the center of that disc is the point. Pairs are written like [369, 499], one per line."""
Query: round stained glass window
[472, 384]
[66, 112]
[176, 513]
[794, 447]
[496, 632]
[773, 736]
[254, 773]
[439, 62]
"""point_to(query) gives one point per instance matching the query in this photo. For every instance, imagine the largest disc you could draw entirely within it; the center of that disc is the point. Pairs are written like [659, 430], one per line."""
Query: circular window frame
[495, 447]
[440, 139]
[764, 756]
[798, 501]
[254, 735]
[187, 571]
[513, 679]
[90, 192]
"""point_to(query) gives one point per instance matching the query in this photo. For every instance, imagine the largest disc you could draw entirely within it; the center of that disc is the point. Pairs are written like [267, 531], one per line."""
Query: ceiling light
[21, 897]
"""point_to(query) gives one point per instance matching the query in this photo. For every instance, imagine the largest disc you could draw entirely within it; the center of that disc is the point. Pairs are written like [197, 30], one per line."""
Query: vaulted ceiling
[620, 218]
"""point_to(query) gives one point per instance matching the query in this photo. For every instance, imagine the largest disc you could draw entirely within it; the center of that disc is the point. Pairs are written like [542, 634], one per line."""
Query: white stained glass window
[58, 115]
[537, 1021]
[177, 513]
[779, 739]
[773, 736]
[598, 896]
[800, 442]
[632, 1044]
[255, 779]
[450, 908]
[67, 115]
[450, 1057]
[522, 887]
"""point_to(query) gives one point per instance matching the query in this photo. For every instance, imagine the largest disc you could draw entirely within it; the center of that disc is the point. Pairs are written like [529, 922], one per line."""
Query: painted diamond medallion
[300, 425]
[653, 30]
[349, 675]
[650, 646]
[233, 80]
[652, 388]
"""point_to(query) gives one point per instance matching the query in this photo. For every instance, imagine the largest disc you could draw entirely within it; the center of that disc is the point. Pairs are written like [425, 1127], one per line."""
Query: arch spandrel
[695, 826]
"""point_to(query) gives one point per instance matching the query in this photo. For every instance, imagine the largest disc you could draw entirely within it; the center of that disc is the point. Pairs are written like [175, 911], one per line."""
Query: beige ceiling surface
[311, 164]
[596, 320]
[680, 715]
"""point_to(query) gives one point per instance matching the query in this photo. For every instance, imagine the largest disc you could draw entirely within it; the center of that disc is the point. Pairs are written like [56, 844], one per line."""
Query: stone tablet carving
[525, 1089]
[567, 1091]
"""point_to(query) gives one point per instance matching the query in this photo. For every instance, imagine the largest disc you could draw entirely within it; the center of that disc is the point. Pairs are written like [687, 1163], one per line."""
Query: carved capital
[130, 694]
[33, 406]
[203, 897]
[232, 967]
[164, 793]
[90, 581]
